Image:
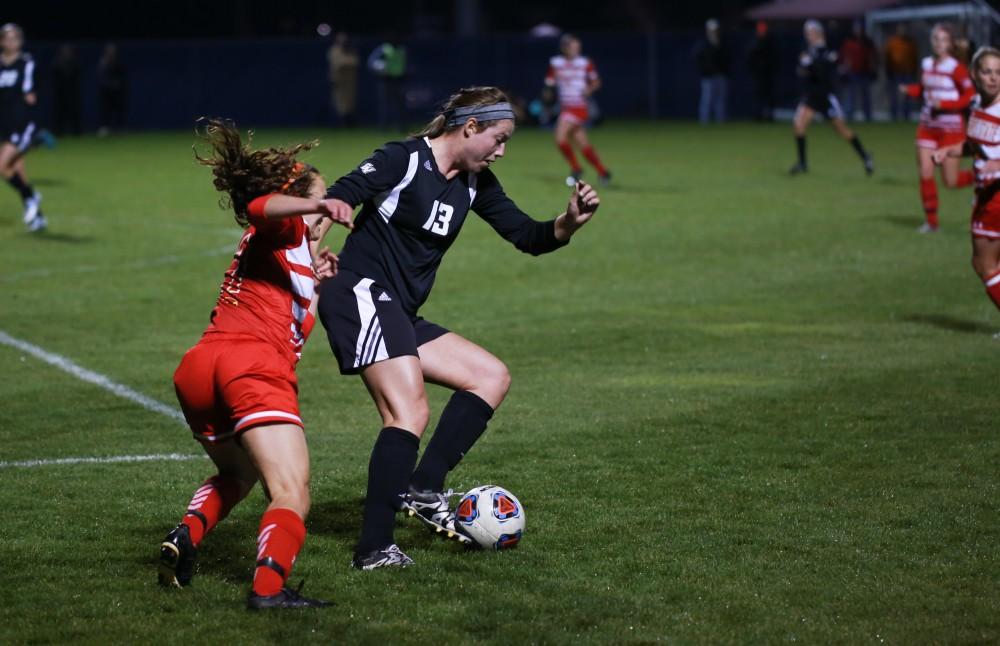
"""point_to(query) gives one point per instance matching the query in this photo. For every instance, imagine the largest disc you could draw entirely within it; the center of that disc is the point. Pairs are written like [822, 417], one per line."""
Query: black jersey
[818, 69]
[412, 215]
[16, 80]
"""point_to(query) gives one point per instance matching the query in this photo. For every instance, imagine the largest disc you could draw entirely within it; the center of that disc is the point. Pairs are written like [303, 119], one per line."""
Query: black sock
[462, 423]
[858, 148]
[389, 470]
[800, 144]
[22, 187]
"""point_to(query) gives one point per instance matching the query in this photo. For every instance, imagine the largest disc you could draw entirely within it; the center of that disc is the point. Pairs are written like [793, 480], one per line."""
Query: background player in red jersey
[984, 141]
[237, 386]
[575, 78]
[947, 90]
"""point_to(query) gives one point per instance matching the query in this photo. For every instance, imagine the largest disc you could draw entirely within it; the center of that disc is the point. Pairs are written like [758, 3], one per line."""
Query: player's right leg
[12, 169]
[565, 125]
[583, 143]
[928, 187]
[800, 123]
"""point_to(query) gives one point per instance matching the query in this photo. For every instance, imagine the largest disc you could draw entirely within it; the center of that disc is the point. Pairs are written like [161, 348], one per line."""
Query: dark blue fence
[283, 82]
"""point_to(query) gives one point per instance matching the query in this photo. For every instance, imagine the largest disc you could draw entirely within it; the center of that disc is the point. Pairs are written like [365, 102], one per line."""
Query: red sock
[570, 156]
[992, 283]
[210, 504]
[282, 534]
[965, 178]
[594, 160]
[928, 195]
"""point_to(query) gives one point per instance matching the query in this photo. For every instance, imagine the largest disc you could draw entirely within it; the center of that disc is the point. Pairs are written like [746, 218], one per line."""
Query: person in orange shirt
[901, 63]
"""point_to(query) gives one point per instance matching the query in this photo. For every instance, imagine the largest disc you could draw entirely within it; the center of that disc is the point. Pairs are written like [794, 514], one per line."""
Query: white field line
[103, 382]
[143, 263]
[160, 457]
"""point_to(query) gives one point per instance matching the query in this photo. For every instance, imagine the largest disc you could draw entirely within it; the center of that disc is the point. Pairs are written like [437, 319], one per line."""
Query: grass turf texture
[745, 407]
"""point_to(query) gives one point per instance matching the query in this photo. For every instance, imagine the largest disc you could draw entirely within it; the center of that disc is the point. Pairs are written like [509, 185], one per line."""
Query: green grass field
[746, 408]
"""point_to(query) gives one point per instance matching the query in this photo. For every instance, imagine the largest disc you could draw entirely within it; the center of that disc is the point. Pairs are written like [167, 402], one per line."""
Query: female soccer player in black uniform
[416, 194]
[17, 97]
[818, 67]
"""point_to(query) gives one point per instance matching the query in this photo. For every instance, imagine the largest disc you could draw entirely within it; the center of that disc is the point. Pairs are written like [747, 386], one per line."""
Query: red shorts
[229, 385]
[986, 217]
[934, 138]
[574, 114]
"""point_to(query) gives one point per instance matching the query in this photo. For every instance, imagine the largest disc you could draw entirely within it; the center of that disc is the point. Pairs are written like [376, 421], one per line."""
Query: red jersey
[269, 286]
[947, 82]
[984, 134]
[571, 77]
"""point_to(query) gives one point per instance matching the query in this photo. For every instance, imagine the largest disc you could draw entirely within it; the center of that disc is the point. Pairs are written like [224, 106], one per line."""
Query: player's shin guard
[23, 188]
[591, 155]
[929, 198]
[567, 152]
[210, 504]
[389, 472]
[965, 178]
[858, 148]
[462, 423]
[282, 534]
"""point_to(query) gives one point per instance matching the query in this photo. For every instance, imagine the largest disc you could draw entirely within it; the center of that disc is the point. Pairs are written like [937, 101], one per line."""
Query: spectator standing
[713, 67]
[112, 89]
[763, 61]
[901, 63]
[66, 91]
[858, 58]
[342, 60]
[388, 61]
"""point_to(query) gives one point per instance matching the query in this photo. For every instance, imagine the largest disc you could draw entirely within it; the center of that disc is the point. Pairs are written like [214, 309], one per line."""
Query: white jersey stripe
[387, 204]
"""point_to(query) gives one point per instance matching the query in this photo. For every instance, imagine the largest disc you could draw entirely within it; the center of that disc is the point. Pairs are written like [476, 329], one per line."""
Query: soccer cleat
[432, 508]
[38, 224]
[177, 555]
[798, 169]
[388, 556]
[31, 207]
[287, 598]
[869, 165]
[927, 227]
[573, 178]
[604, 179]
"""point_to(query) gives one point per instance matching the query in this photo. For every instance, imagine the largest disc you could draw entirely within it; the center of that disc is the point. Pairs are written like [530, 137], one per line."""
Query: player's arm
[377, 174]
[967, 92]
[28, 84]
[277, 206]
[593, 79]
[583, 203]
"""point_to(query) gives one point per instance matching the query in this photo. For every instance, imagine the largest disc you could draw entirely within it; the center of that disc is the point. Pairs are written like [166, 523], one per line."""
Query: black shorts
[825, 104]
[365, 323]
[20, 133]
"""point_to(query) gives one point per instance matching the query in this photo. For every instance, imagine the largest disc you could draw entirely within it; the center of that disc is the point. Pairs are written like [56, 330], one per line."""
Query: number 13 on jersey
[439, 218]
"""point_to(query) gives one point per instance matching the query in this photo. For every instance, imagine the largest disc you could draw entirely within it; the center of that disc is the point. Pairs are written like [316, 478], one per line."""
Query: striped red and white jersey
[984, 134]
[268, 288]
[946, 82]
[571, 77]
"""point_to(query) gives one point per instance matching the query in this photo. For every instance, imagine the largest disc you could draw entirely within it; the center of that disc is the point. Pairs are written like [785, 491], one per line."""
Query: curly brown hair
[244, 174]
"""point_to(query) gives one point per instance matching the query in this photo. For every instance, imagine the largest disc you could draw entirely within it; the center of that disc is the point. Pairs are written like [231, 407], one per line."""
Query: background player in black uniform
[416, 196]
[818, 68]
[17, 130]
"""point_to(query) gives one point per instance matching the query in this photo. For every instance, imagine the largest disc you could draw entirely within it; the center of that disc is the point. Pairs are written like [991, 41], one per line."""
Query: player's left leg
[480, 381]
[564, 128]
[12, 169]
[583, 143]
[800, 123]
[953, 176]
[849, 135]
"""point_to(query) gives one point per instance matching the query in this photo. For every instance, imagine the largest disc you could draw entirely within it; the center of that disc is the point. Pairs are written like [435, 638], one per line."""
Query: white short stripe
[162, 457]
[267, 413]
[89, 376]
[993, 281]
[366, 314]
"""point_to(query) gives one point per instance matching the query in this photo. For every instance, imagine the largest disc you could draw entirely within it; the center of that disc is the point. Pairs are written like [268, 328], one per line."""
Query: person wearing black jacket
[416, 195]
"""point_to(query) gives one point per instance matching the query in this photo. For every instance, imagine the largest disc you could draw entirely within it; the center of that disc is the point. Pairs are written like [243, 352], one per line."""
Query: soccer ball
[491, 516]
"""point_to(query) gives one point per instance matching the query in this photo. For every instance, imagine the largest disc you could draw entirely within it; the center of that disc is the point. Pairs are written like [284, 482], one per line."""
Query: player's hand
[939, 155]
[325, 264]
[583, 204]
[331, 211]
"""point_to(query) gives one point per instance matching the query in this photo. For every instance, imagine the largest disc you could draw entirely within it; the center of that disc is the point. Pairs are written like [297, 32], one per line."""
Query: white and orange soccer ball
[491, 516]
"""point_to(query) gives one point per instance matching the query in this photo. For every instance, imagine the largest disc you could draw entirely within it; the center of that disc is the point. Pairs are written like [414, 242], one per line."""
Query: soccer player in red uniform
[575, 78]
[947, 90]
[984, 139]
[237, 386]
